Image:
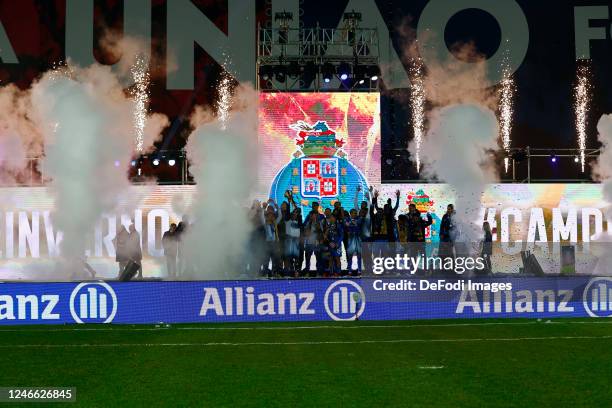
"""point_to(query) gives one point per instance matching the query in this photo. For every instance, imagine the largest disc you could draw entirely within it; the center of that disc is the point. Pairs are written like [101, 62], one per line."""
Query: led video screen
[519, 214]
[320, 146]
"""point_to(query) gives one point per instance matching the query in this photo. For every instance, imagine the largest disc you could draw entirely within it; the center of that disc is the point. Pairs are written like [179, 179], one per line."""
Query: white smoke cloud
[126, 50]
[602, 171]
[19, 137]
[179, 205]
[462, 126]
[603, 168]
[222, 163]
[154, 126]
[453, 82]
[87, 123]
[455, 151]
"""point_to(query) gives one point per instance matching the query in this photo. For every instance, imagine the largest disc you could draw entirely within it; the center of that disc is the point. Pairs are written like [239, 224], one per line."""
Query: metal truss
[310, 49]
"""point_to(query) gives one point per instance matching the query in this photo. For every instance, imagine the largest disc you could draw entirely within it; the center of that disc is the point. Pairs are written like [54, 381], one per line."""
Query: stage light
[171, 162]
[344, 70]
[553, 157]
[266, 71]
[361, 81]
[374, 72]
[576, 159]
[156, 162]
[327, 70]
[280, 73]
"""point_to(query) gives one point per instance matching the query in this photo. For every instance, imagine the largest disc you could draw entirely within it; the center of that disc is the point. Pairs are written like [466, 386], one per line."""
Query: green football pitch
[475, 363]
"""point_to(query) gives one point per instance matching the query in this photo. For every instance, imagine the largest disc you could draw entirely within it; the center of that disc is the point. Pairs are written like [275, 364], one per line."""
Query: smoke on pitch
[86, 121]
[222, 156]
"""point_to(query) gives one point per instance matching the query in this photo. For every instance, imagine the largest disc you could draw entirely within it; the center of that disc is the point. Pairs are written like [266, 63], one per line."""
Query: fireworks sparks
[417, 102]
[582, 97]
[225, 99]
[140, 74]
[506, 112]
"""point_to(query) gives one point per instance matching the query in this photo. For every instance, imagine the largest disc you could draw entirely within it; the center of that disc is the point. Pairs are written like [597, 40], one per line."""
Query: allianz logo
[93, 302]
[520, 301]
[597, 297]
[29, 307]
[239, 301]
[596, 300]
[90, 302]
[343, 300]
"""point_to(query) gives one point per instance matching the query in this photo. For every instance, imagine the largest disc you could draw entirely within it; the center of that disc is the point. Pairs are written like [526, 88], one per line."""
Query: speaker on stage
[130, 270]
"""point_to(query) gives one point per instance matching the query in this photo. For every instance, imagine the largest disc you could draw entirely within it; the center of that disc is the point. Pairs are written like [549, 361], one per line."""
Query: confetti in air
[506, 111]
[581, 106]
[140, 74]
[417, 102]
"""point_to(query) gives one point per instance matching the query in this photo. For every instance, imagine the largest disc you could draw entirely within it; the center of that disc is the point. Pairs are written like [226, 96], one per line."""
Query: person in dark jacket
[180, 235]
[121, 248]
[416, 226]
[170, 244]
[254, 262]
[313, 237]
[447, 233]
[487, 247]
[134, 249]
[270, 219]
[376, 217]
[298, 209]
[333, 238]
[285, 211]
[388, 227]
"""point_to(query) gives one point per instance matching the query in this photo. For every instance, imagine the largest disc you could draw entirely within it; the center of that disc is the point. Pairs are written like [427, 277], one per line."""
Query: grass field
[486, 363]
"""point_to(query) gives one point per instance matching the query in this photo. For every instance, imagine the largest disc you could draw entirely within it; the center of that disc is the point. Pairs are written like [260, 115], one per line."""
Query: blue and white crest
[319, 177]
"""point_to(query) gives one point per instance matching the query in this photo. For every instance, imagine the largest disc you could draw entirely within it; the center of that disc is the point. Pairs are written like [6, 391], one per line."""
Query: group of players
[283, 240]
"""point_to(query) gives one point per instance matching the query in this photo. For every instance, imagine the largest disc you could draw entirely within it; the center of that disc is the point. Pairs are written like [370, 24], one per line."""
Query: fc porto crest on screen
[319, 177]
[320, 170]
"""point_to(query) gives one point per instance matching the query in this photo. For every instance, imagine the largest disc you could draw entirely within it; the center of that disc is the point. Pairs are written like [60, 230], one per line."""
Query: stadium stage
[289, 203]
